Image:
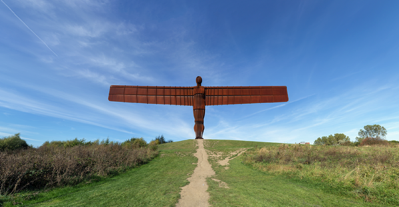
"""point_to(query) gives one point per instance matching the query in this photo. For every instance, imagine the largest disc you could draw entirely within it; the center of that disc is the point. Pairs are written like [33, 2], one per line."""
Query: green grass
[156, 183]
[227, 146]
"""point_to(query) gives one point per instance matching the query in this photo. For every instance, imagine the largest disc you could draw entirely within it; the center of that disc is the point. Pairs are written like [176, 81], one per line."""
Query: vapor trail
[29, 28]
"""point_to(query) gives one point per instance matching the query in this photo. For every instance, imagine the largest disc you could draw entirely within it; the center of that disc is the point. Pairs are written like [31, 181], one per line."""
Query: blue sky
[338, 59]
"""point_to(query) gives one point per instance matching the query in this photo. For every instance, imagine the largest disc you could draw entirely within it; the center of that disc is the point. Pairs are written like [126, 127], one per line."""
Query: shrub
[161, 140]
[75, 142]
[53, 143]
[394, 141]
[136, 142]
[331, 139]
[373, 141]
[154, 145]
[52, 165]
[345, 143]
[13, 143]
[106, 142]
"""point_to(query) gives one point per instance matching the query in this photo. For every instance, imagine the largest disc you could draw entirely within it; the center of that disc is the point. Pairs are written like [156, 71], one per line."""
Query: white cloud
[89, 30]
[95, 77]
[41, 5]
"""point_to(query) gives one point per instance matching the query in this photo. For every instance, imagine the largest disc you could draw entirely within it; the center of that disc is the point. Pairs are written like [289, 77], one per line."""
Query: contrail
[29, 28]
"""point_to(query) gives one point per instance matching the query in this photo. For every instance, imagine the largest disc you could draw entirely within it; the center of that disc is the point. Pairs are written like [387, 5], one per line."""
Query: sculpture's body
[198, 97]
[199, 108]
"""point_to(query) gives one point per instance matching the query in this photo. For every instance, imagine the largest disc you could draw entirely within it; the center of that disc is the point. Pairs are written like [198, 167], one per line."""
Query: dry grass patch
[369, 172]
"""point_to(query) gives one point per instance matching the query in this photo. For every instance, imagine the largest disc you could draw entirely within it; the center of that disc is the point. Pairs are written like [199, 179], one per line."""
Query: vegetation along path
[182, 171]
[157, 183]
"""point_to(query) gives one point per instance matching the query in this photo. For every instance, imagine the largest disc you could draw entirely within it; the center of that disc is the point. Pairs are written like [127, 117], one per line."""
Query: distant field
[246, 183]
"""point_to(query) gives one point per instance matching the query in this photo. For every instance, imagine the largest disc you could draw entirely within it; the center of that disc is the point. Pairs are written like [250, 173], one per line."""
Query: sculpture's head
[199, 80]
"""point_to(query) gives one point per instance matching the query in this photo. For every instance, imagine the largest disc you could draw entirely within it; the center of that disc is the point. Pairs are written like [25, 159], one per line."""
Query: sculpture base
[199, 138]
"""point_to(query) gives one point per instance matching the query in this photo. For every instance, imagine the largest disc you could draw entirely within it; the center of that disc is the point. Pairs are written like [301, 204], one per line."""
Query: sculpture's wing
[224, 95]
[152, 94]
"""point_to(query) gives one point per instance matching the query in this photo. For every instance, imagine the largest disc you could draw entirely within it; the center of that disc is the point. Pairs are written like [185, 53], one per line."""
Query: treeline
[14, 142]
[59, 163]
[370, 135]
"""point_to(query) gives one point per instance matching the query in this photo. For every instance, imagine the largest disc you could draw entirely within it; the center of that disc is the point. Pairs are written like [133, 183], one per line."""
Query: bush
[161, 140]
[51, 165]
[13, 143]
[75, 142]
[345, 143]
[331, 139]
[373, 141]
[133, 142]
[69, 143]
[154, 145]
[137, 142]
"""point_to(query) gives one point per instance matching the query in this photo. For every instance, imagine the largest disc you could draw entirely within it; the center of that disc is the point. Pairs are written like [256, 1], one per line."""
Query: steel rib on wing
[152, 94]
[245, 95]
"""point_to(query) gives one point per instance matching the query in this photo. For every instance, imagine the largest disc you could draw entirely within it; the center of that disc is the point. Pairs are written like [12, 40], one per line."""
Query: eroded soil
[195, 193]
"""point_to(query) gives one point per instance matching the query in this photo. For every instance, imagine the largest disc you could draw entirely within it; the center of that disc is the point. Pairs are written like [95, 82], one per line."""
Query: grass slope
[156, 183]
[159, 182]
[251, 187]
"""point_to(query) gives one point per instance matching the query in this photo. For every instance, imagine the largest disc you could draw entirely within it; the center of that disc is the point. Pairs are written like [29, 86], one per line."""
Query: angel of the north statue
[198, 97]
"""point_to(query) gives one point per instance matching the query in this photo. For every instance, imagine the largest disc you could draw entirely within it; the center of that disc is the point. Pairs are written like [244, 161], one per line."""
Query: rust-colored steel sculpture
[198, 97]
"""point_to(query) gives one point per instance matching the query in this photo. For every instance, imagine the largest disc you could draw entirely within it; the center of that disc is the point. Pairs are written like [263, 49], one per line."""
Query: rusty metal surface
[152, 94]
[245, 95]
[198, 97]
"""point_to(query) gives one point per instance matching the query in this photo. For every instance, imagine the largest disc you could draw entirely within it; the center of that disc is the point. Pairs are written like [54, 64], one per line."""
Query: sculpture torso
[199, 97]
[199, 110]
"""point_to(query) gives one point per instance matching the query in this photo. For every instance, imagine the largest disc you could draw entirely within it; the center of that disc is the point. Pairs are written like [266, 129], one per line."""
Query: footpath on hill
[195, 193]
[194, 173]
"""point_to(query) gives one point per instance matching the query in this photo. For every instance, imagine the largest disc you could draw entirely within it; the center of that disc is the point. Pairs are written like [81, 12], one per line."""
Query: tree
[13, 143]
[137, 142]
[161, 140]
[372, 131]
[335, 139]
[340, 138]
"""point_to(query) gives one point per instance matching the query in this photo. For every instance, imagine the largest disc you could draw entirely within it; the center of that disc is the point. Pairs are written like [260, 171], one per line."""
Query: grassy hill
[158, 182]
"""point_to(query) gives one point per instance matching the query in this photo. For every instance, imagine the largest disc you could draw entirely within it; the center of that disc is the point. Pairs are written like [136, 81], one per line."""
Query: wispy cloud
[104, 43]
[29, 28]
[6, 132]
[345, 76]
[126, 119]
[306, 121]
[95, 77]
[28, 105]
[278, 106]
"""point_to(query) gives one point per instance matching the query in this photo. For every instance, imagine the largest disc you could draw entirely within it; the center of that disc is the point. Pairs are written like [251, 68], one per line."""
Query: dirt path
[227, 159]
[194, 194]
